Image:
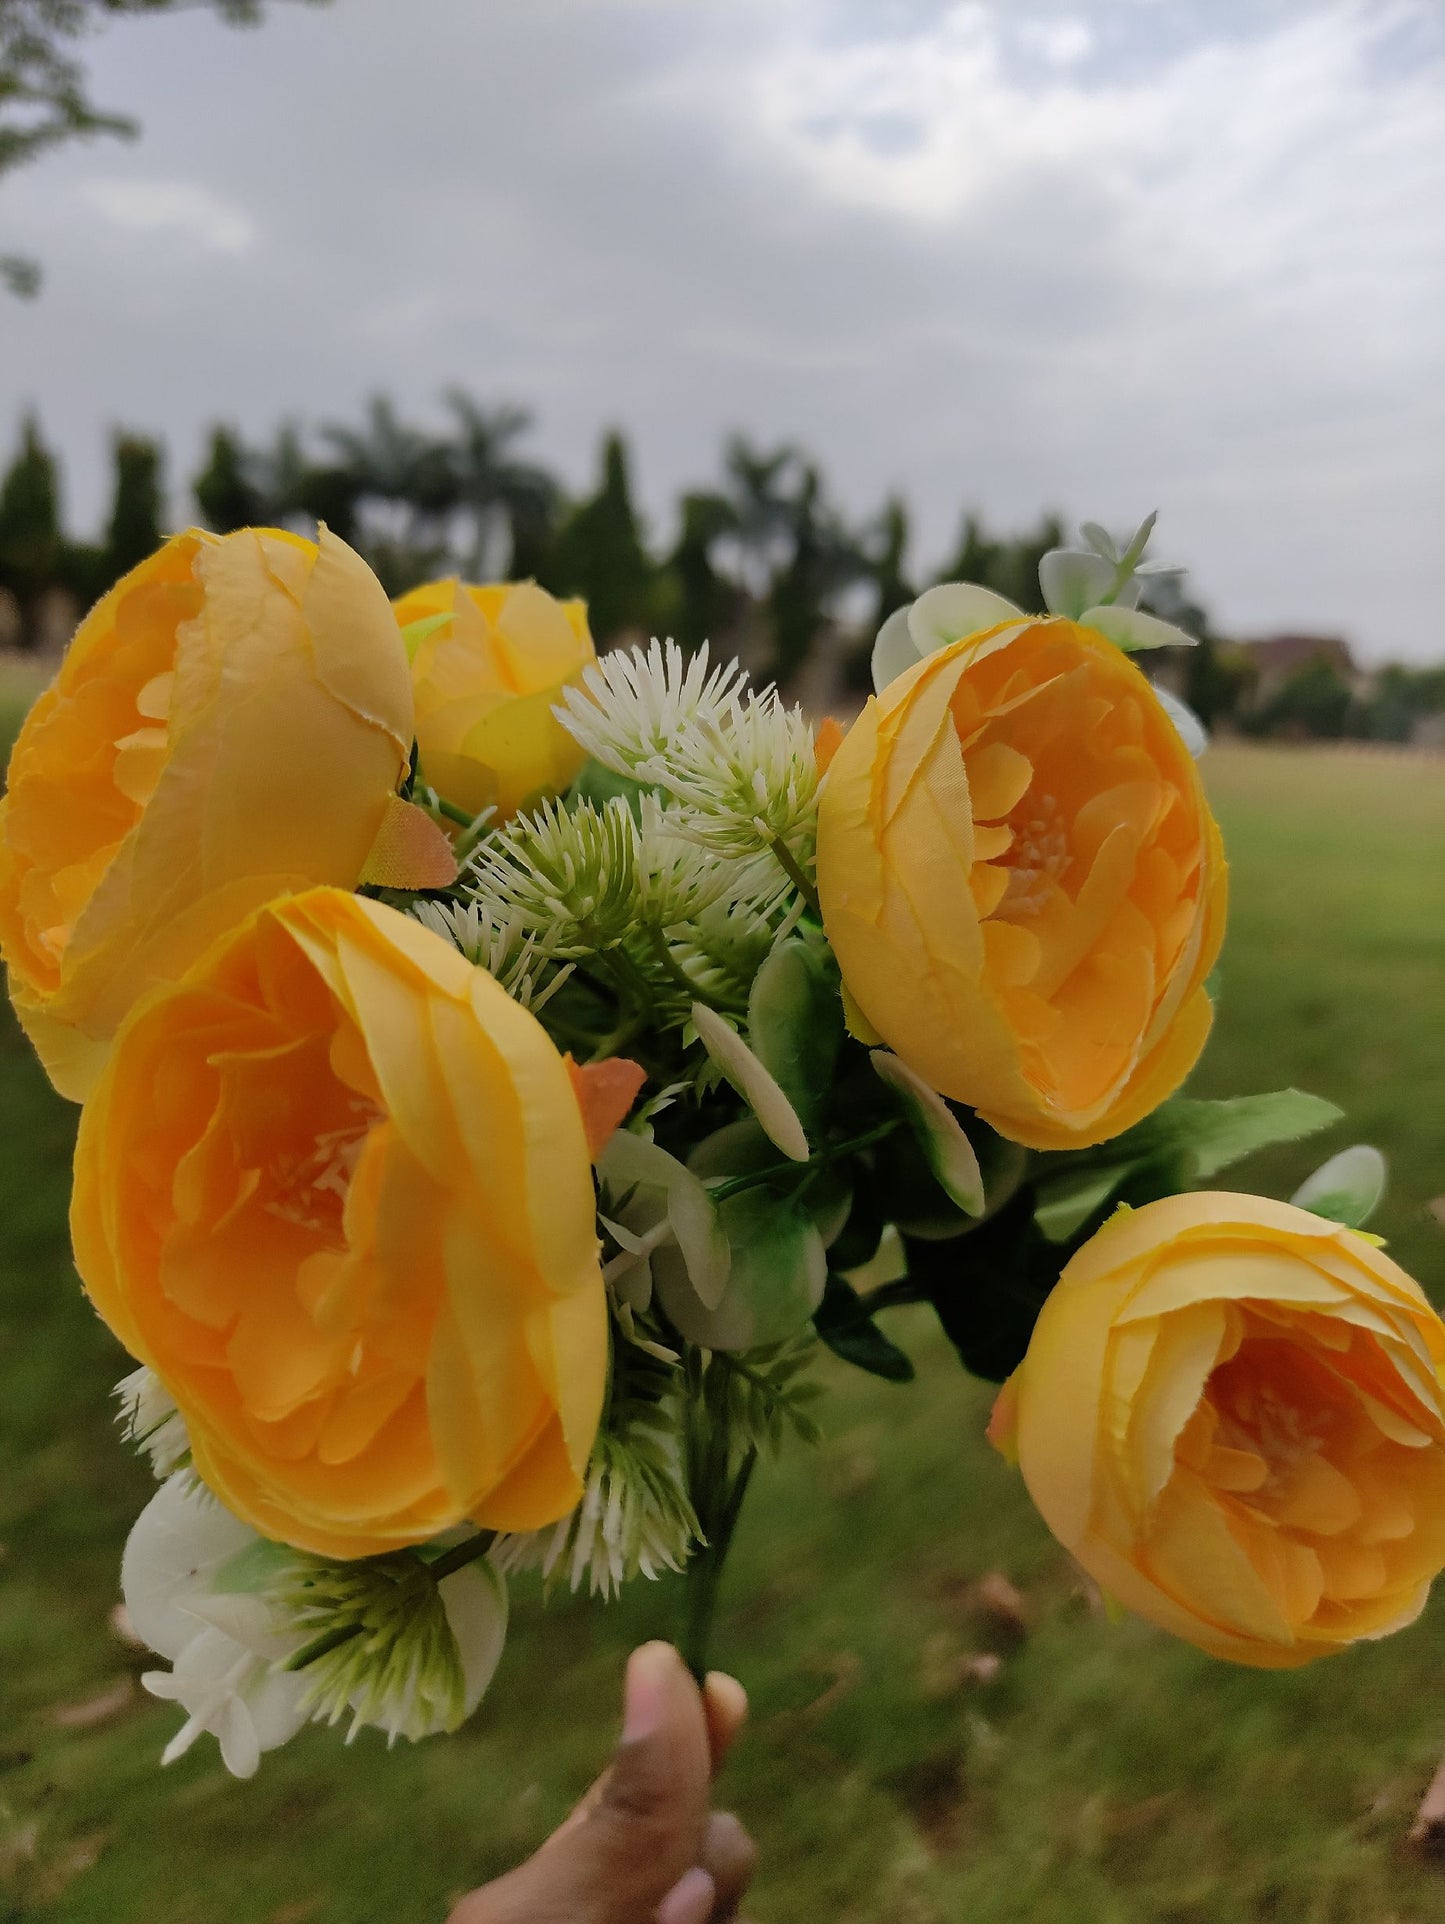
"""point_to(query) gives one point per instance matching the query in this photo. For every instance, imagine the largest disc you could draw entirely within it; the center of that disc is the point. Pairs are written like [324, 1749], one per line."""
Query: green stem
[800, 880]
[703, 1582]
[694, 991]
[461, 1554]
[735, 1185]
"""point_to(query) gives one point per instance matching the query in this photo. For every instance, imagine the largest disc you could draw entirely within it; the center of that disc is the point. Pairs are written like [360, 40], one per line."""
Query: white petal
[752, 1082]
[954, 609]
[1073, 579]
[176, 1545]
[1192, 731]
[1131, 629]
[893, 651]
[240, 1746]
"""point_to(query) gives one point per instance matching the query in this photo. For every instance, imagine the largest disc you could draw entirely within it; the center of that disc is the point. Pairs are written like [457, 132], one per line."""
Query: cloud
[1099, 256]
[171, 209]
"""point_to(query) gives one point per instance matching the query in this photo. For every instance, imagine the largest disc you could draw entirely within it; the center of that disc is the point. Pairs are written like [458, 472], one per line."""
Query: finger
[730, 1857]
[640, 1828]
[690, 1901]
[726, 1704]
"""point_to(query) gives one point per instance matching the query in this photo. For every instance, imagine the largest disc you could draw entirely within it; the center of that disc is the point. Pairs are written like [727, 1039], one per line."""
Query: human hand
[642, 1845]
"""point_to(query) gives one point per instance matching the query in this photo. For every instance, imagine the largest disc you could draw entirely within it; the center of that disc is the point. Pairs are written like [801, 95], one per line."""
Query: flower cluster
[507, 1073]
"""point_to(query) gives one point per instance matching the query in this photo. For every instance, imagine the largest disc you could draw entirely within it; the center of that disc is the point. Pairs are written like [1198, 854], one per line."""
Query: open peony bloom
[486, 683]
[1022, 881]
[227, 724]
[334, 1189]
[1232, 1413]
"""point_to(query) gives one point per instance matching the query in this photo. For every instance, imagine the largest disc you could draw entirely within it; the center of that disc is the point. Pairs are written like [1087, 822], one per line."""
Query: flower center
[1039, 853]
[310, 1188]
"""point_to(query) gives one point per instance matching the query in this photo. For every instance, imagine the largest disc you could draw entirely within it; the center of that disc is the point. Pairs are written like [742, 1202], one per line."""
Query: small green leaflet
[420, 630]
[1347, 1189]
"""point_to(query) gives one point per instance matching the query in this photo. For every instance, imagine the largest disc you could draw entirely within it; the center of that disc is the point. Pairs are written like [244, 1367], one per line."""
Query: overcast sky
[1103, 257]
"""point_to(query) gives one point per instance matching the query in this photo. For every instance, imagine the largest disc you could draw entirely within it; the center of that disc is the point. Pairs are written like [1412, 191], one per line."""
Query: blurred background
[747, 321]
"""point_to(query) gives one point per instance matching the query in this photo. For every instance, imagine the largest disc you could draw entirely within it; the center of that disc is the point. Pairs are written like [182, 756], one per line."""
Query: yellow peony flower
[1232, 1414]
[334, 1189]
[1022, 881]
[228, 724]
[486, 684]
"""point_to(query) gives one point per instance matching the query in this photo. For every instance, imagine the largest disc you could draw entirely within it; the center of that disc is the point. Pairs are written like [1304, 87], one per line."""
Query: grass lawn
[1102, 1775]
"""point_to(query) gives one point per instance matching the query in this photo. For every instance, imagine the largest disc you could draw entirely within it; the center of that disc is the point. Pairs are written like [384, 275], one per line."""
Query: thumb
[640, 1828]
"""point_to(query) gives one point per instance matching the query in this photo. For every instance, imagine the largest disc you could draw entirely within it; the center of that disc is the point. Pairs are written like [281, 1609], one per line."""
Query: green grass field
[1103, 1775]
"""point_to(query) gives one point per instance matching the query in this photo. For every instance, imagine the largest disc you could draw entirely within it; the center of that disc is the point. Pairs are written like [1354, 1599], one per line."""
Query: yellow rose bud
[1023, 884]
[334, 1189]
[227, 724]
[1231, 1412]
[486, 683]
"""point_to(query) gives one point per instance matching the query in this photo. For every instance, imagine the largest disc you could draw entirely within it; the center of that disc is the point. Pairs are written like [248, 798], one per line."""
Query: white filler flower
[226, 1651]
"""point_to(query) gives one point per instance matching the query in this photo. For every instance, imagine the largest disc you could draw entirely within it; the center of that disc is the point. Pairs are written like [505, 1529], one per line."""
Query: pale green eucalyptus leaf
[795, 1026]
[1348, 1188]
[755, 1084]
[947, 1150]
[779, 1263]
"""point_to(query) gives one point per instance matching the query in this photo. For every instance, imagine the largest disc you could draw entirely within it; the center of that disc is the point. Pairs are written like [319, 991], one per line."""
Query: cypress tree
[600, 555]
[30, 537]
[225, 493]
[135, 519]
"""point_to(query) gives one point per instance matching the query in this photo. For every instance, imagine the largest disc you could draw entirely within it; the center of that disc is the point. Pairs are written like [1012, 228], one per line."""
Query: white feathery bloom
[227, 1652]
[150, 1420]
[634, 703]
[519, 957]
[635, 1517]
[413, 1653]
[567, 877]
[741, 763]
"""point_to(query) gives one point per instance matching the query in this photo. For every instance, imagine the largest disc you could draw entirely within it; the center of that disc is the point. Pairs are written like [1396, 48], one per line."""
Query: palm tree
[763, 508]
[825, 559]
[495, 487]
[393, 462]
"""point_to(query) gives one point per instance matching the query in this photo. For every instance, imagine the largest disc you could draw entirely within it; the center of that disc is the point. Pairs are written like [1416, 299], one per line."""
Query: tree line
[763, 561]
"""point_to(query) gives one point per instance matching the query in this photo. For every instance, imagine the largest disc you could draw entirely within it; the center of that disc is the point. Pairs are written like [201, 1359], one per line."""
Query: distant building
[1276, 658]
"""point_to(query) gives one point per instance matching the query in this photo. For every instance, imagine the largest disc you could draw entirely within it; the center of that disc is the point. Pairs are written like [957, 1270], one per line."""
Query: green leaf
[949, 1153]
[779, 1263]
[1347, 1189]
[843, 1322]
[1064, 1203]
[1209, 1136]
[649, 1184]
[756, 1084]
[795, 1025]
[600, 785]
[416, 632]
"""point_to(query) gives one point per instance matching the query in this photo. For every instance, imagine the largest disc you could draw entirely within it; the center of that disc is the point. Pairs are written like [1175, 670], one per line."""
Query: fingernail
[645, 1695]
[690, 1900]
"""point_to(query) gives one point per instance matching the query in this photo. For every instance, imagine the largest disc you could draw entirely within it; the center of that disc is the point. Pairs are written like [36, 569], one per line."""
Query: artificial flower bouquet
[506, 1072]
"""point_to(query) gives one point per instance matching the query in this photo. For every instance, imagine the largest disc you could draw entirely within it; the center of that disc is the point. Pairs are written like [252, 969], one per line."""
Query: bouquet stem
[718, 1505]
